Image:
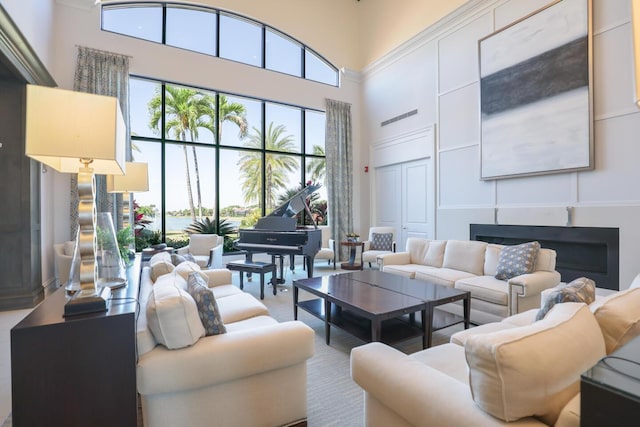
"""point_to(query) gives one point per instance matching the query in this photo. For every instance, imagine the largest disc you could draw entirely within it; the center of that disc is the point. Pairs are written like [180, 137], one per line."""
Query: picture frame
[536, 101]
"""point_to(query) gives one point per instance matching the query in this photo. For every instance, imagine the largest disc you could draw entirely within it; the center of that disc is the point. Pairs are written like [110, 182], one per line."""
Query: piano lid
[295, 204]
[283, 218]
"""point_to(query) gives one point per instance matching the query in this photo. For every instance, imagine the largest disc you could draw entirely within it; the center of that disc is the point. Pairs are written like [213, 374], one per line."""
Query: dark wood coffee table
[369, 305]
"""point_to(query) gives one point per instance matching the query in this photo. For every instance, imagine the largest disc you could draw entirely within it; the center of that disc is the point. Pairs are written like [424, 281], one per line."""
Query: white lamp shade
[135, 179]
[64, 126]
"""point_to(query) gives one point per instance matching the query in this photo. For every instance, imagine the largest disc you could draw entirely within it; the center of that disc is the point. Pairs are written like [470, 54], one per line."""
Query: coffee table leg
[327, 320]
[427, 324]
[467, 311]
[375, 329]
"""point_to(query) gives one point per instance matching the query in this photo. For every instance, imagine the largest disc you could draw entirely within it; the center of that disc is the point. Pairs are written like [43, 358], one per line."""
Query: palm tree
[316, 168]
[276, 166]
[186, 111]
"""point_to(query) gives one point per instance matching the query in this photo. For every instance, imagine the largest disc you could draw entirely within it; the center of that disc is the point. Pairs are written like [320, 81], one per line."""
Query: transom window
[218, 33]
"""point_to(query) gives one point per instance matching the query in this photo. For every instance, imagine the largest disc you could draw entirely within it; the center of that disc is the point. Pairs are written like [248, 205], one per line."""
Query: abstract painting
[535, 94]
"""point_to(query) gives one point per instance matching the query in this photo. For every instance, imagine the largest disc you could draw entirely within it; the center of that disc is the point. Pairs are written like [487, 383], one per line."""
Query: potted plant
[353, 237]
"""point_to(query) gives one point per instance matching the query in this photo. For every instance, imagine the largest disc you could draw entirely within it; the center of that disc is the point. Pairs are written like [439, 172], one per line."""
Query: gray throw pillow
[516, 260]
[579, 290]
[177, 259]
[207, 306]
[381, 242]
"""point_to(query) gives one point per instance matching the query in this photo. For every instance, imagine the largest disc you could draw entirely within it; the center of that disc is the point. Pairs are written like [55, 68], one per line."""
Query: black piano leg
[248, 257]
[292, 263]
[309, 262]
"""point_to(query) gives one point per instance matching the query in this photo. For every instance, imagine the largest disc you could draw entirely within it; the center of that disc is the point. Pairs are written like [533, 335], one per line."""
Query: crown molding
[19, 54]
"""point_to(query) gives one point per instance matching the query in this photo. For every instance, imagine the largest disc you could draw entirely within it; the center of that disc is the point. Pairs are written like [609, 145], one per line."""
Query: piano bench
[255, 267]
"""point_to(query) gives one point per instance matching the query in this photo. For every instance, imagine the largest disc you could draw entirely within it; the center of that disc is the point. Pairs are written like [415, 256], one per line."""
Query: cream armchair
[379, 243]
[63, 255]
[206, 249]
[328, 248]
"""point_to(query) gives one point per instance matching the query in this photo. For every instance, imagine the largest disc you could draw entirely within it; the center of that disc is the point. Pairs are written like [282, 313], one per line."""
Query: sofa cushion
[578, 290]
[160, 256]
[534, 370]
[546, 260]
[446, 358]
[619, 317]
[434, 254]
[69, 247]
[381, 242]
[160, 268]
[465, 256]
[441, 276]
[207, 306]
[171, 280]
[172, 317]
[516, 260]
[406, 270]
[491, 258]
[234, 308]
[486, 288]
[186, 268]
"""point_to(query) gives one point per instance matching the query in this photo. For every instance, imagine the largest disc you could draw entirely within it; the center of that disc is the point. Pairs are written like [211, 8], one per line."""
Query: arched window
[218, 33]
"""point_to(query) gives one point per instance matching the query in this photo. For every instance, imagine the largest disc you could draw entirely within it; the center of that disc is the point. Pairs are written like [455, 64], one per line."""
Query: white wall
[437, 73]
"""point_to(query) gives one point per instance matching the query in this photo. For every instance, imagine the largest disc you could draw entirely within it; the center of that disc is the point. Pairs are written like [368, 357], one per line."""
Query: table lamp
[136, 179]
[83, 133]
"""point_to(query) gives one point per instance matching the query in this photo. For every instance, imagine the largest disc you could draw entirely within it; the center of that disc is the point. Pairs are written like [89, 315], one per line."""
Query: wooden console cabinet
[77, 371]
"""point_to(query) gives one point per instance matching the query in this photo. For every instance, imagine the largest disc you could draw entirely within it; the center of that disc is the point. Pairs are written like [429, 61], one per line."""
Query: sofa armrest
[403, 385]
[223, 358]
[395, 258]
[218, 276]
[531, 284]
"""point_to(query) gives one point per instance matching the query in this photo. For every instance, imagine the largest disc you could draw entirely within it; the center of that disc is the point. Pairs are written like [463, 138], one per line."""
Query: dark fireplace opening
[591, 252]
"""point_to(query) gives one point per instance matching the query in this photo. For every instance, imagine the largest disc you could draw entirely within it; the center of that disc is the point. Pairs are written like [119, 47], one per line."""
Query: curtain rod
[103, 51]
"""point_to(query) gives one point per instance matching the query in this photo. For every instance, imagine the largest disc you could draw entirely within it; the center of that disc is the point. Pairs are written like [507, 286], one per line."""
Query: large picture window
[212, 157]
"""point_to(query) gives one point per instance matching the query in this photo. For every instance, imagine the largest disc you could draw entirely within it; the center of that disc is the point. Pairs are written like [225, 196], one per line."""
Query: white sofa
[471, 266]
[233, 379]
[514, 372]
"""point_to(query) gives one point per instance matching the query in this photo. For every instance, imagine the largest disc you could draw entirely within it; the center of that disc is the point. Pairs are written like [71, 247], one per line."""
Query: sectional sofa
[233, 379]
[514, 372]
[472, 266]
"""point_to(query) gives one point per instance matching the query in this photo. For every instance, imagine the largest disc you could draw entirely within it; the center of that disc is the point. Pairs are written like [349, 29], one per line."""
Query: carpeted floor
[333, 398]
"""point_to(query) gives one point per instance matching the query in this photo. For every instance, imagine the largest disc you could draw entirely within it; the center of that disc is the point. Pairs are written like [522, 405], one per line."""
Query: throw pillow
[381, 242]
[172, 317]
[186, 268]
[160, 268]
[207, 306]
[190, 258]
[177, 259]
[517, 260]
[579, 290]
[534, 370]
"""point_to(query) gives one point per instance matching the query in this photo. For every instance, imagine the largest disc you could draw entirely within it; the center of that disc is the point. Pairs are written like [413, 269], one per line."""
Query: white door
[388, 198]
[418, 200]
[405, 199]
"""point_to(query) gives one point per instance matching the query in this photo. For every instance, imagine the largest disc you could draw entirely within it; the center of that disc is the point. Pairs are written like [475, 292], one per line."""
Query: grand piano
[277, 233]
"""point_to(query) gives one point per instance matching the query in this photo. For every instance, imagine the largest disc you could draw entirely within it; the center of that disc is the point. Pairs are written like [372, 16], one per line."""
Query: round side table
[352, 264]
